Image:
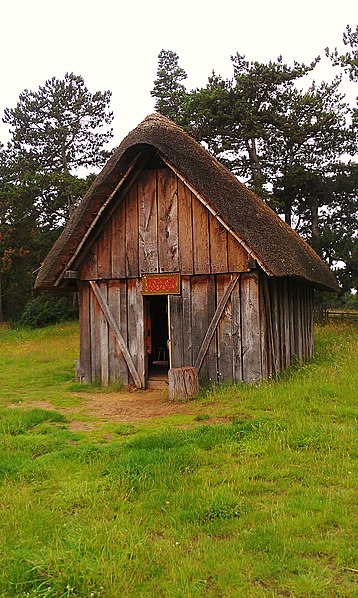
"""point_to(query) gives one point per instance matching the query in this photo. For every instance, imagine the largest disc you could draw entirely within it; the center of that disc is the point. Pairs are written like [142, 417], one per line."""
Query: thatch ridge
[279, 249]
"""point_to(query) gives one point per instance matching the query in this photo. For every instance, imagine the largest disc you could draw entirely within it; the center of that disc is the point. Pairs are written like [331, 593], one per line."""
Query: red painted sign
[161, 284]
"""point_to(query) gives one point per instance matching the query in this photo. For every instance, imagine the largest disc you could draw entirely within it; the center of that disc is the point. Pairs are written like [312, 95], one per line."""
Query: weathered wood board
[159, 225]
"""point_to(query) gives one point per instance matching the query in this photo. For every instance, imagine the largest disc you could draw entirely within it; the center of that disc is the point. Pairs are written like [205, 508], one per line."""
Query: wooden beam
[72, 275]
[214, 322]
[115, 329]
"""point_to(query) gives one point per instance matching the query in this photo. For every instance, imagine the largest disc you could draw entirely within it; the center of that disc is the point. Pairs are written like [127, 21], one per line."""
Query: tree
[303, 148]
[168, 90]
[58, 129]
[287, 143]
[349, 60]
[235, 117]
[54, 131]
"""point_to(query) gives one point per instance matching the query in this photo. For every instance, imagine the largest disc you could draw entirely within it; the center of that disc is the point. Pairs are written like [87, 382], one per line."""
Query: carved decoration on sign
[161, 284]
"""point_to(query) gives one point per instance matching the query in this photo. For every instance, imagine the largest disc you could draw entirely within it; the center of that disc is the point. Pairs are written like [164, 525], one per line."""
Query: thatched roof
[275, 246]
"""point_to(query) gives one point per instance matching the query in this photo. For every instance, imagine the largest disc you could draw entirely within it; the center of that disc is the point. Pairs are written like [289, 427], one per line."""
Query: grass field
[262, 504]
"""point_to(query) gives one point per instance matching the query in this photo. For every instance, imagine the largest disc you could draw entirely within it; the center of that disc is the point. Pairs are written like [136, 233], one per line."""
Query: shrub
[47, 309]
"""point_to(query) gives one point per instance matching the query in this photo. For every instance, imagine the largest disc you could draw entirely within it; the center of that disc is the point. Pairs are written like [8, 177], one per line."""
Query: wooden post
[183, 384]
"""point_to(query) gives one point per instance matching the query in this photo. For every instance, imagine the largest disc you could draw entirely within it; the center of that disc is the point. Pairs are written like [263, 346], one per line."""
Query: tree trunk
[288, 214]
[314, 221]
[183, 384]
[257, 177]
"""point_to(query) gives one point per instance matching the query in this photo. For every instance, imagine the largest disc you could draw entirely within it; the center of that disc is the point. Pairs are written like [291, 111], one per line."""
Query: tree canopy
[293, 143]
[60, 127]
[54, 130]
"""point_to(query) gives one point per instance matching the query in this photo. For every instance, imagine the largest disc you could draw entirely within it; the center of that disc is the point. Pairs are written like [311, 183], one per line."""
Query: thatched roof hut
[134, 213]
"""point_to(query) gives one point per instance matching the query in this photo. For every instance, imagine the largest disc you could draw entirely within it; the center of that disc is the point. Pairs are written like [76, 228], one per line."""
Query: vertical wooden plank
[271, 356]
[236, 333]
[291, 291]
[187, 321]
[117, 302]
[237, 255]
[250, 318]
[176, 331]
[295, 320]
[168, 233]
[304, 322]
[302, 313]
[95, 319]
[286, 322]
[218, 246]
[185, 222]
[104, 261]
[200, 237]
[298, 323]
[211, 357]
[275, 326]
[281, 322]
[308, 325]
[136, 343]
[264, 332]
[148, 219]
[311, 340]
[203, 309]
[103, 334]
[119, 241]
[131, 233]
[85, 331]
[89, 265]
[224, 332]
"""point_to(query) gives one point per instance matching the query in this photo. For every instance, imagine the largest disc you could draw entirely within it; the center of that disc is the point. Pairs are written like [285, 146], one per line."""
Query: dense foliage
[45, 309]
[292, 142]
[55, 130]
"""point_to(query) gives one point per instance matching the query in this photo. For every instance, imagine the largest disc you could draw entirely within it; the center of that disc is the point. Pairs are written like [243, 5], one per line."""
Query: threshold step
[157, 384]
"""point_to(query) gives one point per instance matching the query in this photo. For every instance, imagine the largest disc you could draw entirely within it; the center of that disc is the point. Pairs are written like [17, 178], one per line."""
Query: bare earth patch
[131, 406]
[123, 407]
[118, 407]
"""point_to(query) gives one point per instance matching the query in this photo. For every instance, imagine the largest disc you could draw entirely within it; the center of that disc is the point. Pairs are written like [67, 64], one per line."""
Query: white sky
[114, 44]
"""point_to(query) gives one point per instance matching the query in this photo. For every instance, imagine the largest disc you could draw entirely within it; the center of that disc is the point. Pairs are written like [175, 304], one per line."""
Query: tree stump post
[183, 384]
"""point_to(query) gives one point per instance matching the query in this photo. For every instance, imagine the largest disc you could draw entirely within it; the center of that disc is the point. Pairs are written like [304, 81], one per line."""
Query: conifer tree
[168, 90]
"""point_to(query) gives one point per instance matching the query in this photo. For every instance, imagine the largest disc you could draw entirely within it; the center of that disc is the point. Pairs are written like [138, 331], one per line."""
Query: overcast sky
[114, 44]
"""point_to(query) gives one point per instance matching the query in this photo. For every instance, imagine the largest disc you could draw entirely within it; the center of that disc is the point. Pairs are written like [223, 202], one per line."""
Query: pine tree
[168, 90]
[56, 130]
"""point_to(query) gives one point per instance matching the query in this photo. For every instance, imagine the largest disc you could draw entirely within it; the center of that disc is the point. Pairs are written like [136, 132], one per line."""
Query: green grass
[263, 505]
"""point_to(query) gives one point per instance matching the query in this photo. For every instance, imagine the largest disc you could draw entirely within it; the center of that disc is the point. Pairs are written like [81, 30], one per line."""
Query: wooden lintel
[115, 329]
[72, 275]
[214, 322]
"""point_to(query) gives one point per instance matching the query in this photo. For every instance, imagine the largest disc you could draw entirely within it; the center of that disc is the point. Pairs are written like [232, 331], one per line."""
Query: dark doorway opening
[157, 337]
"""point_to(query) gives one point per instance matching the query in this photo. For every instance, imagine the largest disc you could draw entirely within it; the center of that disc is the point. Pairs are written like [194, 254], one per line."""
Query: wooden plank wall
[265, 327]
[100, 356]
[235, 350]
[289, 313]
[160, 226]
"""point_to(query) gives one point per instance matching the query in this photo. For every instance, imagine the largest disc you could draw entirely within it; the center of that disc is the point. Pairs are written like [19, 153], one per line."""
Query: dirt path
[118, 407]
[134, 406]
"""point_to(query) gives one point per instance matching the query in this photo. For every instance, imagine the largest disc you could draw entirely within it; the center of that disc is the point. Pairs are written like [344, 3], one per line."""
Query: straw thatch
[280, 251]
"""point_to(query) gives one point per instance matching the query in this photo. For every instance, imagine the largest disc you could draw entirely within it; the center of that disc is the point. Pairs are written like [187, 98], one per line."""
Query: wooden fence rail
[322, 314]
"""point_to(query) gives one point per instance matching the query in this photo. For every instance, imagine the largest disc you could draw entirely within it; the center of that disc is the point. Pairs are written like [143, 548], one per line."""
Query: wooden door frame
[146, 300]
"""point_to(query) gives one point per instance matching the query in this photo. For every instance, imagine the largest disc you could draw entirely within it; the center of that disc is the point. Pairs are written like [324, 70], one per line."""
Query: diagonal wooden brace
[115, 329]
[214, 322]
